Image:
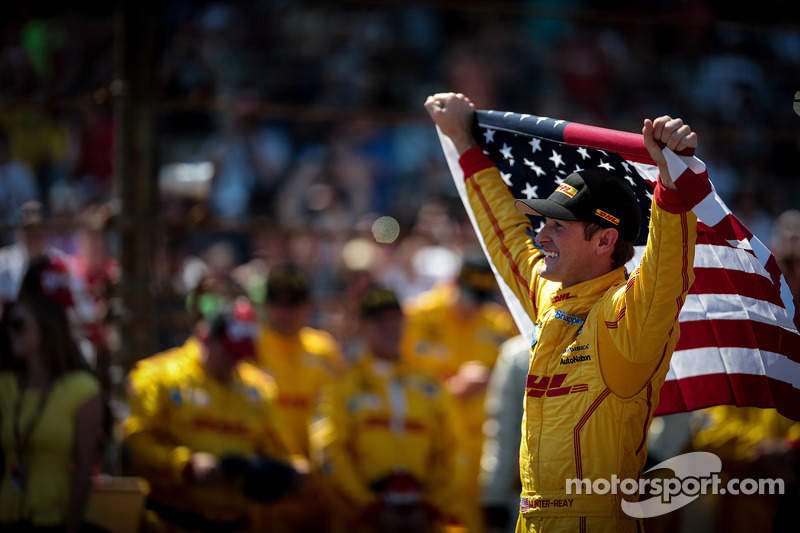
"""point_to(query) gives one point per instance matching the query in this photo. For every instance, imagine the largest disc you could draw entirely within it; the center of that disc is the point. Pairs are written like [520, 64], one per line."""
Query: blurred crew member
[203, 430]
[758, 444]
[302, 360]
[502, 433]
[385, 437]
[455, 330]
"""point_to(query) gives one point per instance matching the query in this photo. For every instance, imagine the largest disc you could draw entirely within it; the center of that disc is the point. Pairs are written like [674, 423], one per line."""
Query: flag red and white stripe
[739, 339]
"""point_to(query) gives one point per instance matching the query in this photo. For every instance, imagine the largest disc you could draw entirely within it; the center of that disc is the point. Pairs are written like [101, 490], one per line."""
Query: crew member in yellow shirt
[302, 360]
[455, 330]
[204, 432]
[385, 437]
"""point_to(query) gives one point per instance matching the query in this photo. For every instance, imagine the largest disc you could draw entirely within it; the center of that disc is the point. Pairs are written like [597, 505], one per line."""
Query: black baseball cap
[476, 275]
[591, 196]
[288, 284]
[377, 298]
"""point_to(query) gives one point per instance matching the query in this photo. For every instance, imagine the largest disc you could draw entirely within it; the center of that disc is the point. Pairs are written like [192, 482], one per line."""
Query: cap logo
[569, 190]
[602, 214]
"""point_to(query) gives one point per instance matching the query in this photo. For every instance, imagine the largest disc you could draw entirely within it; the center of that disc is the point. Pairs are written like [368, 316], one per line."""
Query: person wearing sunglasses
[51, 417]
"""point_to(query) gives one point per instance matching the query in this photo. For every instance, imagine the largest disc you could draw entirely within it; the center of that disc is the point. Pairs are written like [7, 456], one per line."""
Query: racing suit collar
[591, 288]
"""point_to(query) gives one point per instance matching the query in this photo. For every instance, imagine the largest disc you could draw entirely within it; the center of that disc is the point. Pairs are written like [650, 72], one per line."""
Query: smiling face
[569, 257]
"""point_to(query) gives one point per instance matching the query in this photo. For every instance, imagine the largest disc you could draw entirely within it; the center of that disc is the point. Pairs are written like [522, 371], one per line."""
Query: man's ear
[606, 240]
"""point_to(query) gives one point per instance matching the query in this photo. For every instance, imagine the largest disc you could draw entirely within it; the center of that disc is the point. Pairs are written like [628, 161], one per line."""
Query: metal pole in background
[135, 181]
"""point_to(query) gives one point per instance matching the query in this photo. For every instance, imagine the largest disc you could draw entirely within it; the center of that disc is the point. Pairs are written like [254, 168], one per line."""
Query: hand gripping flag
[739, 341]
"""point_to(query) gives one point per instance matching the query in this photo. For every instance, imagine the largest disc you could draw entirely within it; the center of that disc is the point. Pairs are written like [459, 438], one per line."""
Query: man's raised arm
[505, 230]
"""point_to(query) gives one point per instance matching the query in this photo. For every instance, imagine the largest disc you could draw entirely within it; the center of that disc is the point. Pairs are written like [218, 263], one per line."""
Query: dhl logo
[569, 190]
[605, 216]
[552, 386]
[561, 297]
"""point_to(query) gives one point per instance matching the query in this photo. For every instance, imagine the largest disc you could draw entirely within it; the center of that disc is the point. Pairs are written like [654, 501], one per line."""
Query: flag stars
[506, 151]
[536, 145]
[489, 135]
[530, 191]
[506, 178]
[556, 159]
[541, 227]
[605, 165]
[540, 119]
[584, 153]
[630, 180]
[578, 168]
[533, 166]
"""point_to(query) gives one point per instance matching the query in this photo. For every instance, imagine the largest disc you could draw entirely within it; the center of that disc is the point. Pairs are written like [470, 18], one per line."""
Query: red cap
[240, 331]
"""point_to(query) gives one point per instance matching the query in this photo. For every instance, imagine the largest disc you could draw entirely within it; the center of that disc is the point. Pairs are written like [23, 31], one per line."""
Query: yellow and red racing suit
[383, 419]
[177, 408]
[301, 366]
[440, 339]
[599, 355]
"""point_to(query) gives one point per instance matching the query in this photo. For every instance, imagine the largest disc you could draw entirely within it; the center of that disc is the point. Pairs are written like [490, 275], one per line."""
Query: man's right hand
[672, 133]
[453, 113]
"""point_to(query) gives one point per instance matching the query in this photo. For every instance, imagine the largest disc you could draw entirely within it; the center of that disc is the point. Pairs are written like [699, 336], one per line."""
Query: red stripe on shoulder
[503, 248]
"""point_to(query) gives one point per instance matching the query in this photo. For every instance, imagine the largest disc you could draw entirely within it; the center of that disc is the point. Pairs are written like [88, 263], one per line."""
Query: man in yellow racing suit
[302, 360]
[385, 437]
[455, 331]
[602, 340]
[196, 411]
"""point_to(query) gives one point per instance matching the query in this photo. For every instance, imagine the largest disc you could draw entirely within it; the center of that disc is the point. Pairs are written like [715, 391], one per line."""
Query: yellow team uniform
[734, 435]
[384, 418]
[45, 499]
[438, 339]
[176, 408]
[599, 355]
[301, 366]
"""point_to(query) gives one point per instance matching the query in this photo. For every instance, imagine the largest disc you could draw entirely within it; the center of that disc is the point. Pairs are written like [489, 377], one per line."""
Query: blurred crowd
[292, 133]
[297, 126]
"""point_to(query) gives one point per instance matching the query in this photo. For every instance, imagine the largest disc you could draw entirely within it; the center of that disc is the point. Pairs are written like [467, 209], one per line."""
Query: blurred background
[180, 141]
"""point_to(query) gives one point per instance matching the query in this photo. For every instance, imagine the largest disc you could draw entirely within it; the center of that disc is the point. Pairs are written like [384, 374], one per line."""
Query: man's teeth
[551, 254]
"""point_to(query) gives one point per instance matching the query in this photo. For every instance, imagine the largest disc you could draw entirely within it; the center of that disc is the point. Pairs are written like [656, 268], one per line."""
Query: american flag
[739, 341]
